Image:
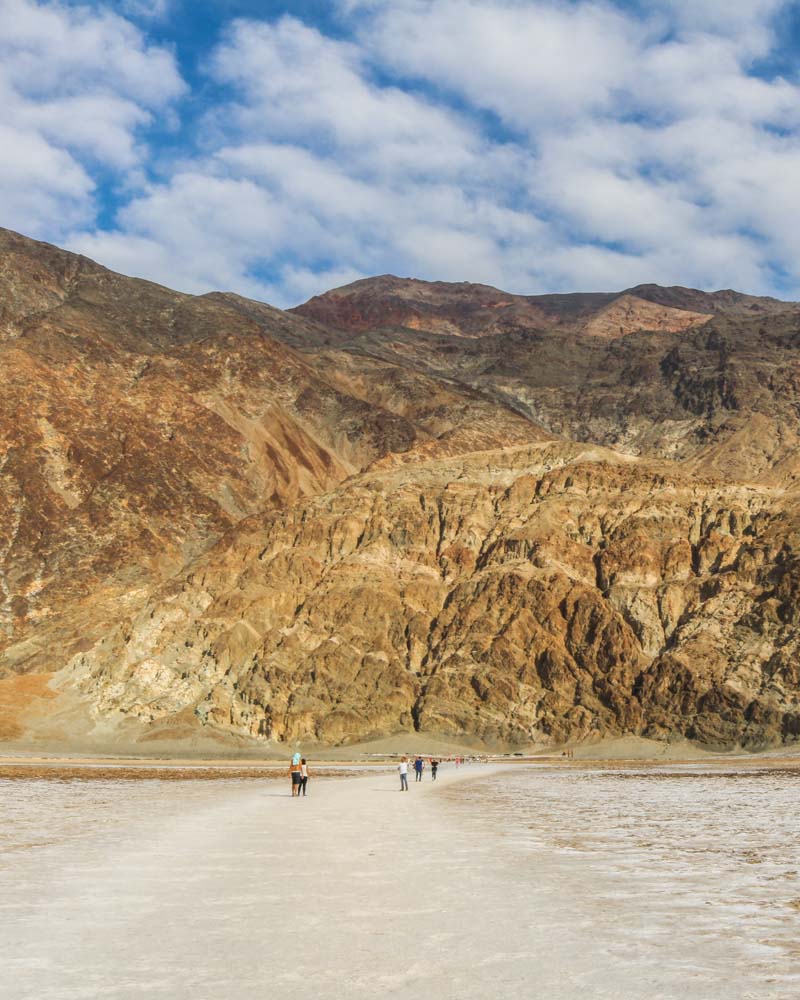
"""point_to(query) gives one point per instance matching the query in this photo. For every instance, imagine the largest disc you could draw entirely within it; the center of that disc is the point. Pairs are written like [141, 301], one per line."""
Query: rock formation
[403, 505]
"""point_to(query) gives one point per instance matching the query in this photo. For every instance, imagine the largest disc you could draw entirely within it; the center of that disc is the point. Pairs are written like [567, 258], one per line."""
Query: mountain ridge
[402, 505]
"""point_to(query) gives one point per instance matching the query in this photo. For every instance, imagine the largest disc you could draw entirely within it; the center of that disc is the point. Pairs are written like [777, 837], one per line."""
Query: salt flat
[484, 884]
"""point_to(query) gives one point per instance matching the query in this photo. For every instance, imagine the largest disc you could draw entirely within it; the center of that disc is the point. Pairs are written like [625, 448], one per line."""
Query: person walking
[294, 774]
[402, 767]
[303, 776]
[434, 768]
[418, 766]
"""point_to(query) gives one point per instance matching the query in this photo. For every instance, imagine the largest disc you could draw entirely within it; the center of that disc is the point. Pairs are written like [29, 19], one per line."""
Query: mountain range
[402, 506]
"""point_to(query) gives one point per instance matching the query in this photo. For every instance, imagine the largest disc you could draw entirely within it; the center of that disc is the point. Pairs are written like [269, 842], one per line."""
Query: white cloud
[539, 65]
[527, 143]
[60, 49]
[713, 262]
[644, 132]
[295, 84]
[194, 233]
[745, 20]
[299, 284]
[77, 84]
[40, 183]
[528, 62]
[98, 127]
[322, 171]
[707, 75]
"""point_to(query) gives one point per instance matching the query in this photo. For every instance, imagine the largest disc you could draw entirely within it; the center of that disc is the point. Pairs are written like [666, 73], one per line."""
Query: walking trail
[120, 889]
[235, 889]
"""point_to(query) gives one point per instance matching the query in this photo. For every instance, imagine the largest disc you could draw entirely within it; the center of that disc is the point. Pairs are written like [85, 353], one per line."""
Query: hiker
[303, 776]
[419, 764]
[294, 772]
[402, 767]
[434, 769]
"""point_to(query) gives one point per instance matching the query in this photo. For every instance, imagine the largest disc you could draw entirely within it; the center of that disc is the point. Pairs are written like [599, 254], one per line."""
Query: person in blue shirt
[419, 764]
[295, 774]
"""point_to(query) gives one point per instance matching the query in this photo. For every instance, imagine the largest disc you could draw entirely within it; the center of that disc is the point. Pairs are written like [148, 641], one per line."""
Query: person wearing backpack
[294, 774]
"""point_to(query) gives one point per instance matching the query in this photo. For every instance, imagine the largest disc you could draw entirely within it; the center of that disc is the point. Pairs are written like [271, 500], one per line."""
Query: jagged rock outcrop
[405, 505]
[531, 594]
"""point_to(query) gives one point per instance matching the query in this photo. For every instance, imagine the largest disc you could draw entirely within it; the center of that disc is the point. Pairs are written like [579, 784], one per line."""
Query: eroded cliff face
[406, 505]
[528, 595]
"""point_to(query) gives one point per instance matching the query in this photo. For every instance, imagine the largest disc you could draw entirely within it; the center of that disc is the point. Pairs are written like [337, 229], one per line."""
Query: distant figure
[294, 772]
[402, 767]
[458, 761]
[303, 775]
[419, 764]
[434, 769]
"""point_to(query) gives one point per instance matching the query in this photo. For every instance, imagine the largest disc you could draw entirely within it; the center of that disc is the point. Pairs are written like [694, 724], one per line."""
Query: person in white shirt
[303, 776]
[402, 767]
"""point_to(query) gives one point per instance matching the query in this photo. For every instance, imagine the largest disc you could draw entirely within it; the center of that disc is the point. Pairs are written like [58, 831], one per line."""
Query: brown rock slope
[137, 425]
[706, 378]
[405, 505]
[535, 593]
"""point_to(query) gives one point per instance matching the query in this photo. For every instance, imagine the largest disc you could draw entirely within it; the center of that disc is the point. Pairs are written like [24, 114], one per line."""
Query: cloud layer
[78, 88]
[533, 145]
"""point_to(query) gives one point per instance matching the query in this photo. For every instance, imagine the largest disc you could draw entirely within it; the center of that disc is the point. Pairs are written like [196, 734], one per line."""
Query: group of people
[298, 772]
[419, 767]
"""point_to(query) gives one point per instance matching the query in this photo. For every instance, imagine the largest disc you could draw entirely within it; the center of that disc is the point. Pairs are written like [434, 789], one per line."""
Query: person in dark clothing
[418, 766]
[434, 769]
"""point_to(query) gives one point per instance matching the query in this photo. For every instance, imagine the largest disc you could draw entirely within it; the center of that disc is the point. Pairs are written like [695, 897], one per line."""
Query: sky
[279, 149]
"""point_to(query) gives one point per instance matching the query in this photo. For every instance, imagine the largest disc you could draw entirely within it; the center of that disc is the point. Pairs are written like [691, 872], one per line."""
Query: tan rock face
[488, 597]
[138, 425]
[404, 505]
[630, 314]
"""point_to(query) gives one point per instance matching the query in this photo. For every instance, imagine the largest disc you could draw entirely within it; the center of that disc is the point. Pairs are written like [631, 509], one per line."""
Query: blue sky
[279, 149]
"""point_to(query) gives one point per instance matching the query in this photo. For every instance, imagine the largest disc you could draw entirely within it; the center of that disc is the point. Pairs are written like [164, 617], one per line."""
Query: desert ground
[471, 886]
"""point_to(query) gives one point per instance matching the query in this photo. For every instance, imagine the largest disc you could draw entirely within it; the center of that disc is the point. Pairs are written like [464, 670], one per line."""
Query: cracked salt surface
[684, 880]
[543, 881]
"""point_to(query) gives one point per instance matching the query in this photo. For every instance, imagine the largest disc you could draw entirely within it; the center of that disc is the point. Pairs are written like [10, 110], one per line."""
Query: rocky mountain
[402, 506]
[707, 379]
